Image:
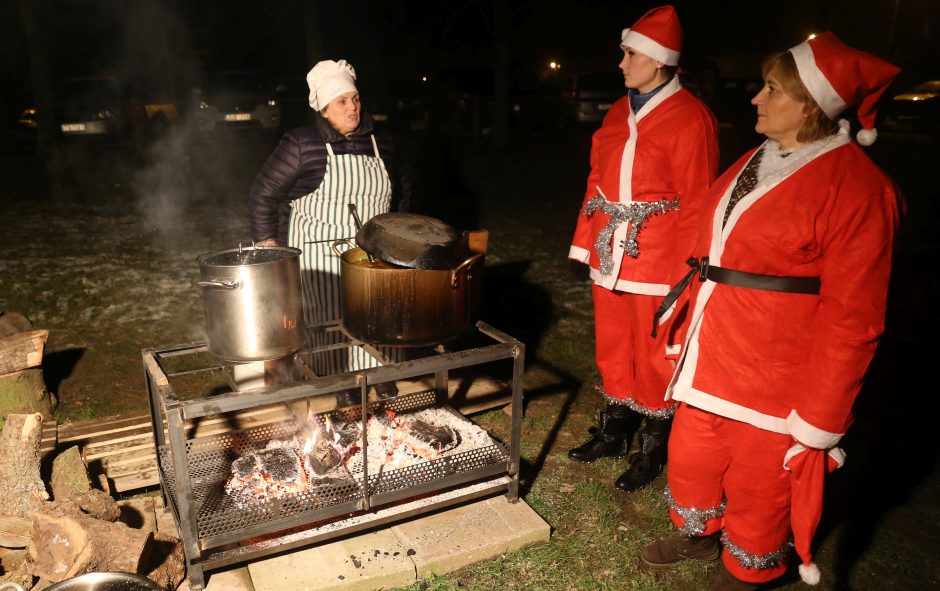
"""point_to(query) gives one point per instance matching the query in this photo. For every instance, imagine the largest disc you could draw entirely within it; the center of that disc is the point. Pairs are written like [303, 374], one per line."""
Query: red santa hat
[808, 468]
[657, 34]
[838, 77]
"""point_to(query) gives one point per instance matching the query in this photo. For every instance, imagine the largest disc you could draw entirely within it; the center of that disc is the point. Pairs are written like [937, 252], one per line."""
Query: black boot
[611, 438]
[648, 462]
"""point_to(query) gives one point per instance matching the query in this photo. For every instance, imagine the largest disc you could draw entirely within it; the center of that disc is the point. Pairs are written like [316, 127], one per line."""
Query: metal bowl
[106, 582]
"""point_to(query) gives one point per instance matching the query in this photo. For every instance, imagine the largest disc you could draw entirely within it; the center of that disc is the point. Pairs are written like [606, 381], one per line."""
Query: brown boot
[725, 581]
[672, 551]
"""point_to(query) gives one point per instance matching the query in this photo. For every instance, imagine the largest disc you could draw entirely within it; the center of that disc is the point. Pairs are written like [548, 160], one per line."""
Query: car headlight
[105, 115]
[272, 102]
[203, 105]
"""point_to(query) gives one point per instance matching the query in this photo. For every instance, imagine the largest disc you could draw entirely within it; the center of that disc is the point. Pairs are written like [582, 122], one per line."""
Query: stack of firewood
[22, 387]
[45, 540]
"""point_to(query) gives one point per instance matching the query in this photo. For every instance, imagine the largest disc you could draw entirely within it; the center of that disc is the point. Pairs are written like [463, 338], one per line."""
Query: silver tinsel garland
[636, 213]
[629, 402]
[694, 520]
[758, 561]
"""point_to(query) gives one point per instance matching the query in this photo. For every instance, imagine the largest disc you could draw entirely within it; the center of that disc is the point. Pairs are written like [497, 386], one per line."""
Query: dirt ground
[104, 256]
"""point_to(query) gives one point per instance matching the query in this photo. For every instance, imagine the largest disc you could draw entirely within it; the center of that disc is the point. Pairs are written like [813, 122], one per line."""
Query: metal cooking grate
[210, 460]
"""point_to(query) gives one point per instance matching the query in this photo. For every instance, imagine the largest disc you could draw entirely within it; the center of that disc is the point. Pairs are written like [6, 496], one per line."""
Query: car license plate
[604, 107]
[73, 127]
[238, 116]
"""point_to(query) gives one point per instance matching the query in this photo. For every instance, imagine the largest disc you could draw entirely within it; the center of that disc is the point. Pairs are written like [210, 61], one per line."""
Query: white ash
[389, 448]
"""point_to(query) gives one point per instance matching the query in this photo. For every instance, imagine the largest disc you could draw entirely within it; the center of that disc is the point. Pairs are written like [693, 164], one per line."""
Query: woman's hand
[267, 242]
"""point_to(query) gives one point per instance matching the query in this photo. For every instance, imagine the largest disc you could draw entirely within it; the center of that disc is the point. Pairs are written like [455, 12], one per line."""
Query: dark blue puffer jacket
[296, 168]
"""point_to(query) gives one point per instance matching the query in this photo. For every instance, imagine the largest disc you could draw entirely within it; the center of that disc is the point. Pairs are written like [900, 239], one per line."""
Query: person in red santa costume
[789, 296]
[651, 163]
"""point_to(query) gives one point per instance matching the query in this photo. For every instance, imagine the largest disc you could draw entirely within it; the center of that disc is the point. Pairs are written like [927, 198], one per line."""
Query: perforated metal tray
[220, 520]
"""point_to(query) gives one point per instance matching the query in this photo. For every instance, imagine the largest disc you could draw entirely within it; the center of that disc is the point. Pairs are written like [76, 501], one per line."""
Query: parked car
[98, 108]
[591, 94]
[237, 100]
[916, 110]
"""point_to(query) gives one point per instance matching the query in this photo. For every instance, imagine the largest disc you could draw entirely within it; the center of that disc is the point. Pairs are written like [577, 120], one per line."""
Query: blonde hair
[783, 67]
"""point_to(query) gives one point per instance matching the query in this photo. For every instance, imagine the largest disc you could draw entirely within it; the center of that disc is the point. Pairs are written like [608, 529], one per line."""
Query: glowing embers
[329, 451]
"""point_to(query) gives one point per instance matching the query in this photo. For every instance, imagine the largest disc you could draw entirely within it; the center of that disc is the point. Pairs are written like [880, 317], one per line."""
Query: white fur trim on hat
[327, 80]
[867, 137]
[646, 46]
[816, 82]
[810, 573]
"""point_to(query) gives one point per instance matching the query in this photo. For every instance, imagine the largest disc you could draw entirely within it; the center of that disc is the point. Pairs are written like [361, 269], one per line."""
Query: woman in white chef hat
[301, 195]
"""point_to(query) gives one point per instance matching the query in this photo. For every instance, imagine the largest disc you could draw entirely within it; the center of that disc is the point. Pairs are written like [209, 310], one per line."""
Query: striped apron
[316, 220]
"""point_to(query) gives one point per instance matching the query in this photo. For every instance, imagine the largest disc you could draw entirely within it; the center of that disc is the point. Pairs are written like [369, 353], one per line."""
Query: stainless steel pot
[106, 582]
[252, 298]
[388, 305]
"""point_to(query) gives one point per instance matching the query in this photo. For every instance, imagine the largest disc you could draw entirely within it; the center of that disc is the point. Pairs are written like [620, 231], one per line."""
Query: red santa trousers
[713, 459]
[633, 365]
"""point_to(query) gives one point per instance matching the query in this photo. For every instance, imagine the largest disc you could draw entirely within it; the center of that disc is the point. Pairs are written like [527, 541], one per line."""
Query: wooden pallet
[120, 453]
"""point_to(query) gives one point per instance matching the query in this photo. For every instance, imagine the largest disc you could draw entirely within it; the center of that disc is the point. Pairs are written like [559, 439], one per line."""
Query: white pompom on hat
[657, 34]
[327, 80]
[838, 77]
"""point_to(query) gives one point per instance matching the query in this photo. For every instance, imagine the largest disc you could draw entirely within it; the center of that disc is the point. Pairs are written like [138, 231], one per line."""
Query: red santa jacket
[668, 149]
[787, 362]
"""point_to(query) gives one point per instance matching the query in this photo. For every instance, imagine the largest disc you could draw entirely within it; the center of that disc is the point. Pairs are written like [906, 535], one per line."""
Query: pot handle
[232, 284]
[336, 244]
[464, 266]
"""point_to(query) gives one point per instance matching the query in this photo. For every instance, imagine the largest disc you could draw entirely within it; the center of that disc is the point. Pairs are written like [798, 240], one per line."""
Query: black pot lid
[411, 240]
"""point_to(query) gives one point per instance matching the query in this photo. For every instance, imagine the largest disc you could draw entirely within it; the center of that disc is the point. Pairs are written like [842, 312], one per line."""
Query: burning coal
[332, 452]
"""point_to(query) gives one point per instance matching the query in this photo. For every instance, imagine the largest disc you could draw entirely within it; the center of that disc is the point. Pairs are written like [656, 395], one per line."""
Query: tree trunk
[24, 392]
[21, 488]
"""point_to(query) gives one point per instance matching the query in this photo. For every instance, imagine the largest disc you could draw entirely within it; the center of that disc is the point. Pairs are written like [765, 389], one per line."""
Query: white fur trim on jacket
[810, 435]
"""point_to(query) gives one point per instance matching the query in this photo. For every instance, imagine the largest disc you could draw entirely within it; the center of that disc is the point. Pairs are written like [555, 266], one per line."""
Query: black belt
[806, 285]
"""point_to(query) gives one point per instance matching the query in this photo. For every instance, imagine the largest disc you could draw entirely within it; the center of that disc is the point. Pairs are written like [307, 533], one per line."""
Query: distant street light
[554, 65]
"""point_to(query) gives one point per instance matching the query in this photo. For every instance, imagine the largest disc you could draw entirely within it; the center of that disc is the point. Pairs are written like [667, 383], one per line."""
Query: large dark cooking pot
[252, 297]
[388, 305]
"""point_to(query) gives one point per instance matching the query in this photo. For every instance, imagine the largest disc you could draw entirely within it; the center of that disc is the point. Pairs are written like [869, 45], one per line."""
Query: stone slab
[165, 521]
[234, 579]
[374, 560]
[399, 555]
[452, 539]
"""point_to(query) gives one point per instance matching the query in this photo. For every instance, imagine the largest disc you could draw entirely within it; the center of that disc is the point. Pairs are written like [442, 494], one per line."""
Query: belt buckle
[703, 269]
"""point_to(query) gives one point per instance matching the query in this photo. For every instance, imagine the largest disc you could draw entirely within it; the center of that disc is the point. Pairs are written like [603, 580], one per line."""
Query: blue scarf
[638, 99]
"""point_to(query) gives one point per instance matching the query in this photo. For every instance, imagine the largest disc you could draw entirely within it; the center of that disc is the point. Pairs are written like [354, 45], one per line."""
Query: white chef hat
[327, 80]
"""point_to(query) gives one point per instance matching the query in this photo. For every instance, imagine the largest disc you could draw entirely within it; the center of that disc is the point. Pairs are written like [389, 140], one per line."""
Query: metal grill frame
[299, 520]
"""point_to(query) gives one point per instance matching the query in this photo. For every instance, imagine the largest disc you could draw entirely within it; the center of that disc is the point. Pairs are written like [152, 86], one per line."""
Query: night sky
[165, 46]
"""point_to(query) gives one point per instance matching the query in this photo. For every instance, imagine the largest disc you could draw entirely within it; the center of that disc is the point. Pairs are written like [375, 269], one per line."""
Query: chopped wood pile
[44, 541]
[22, 386]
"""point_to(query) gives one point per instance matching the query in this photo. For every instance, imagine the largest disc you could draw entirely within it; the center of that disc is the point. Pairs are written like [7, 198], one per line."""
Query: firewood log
[21, 488]
[69, 475]
[15, 532]
[12, 323]
[68, 545]
[22, 350]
